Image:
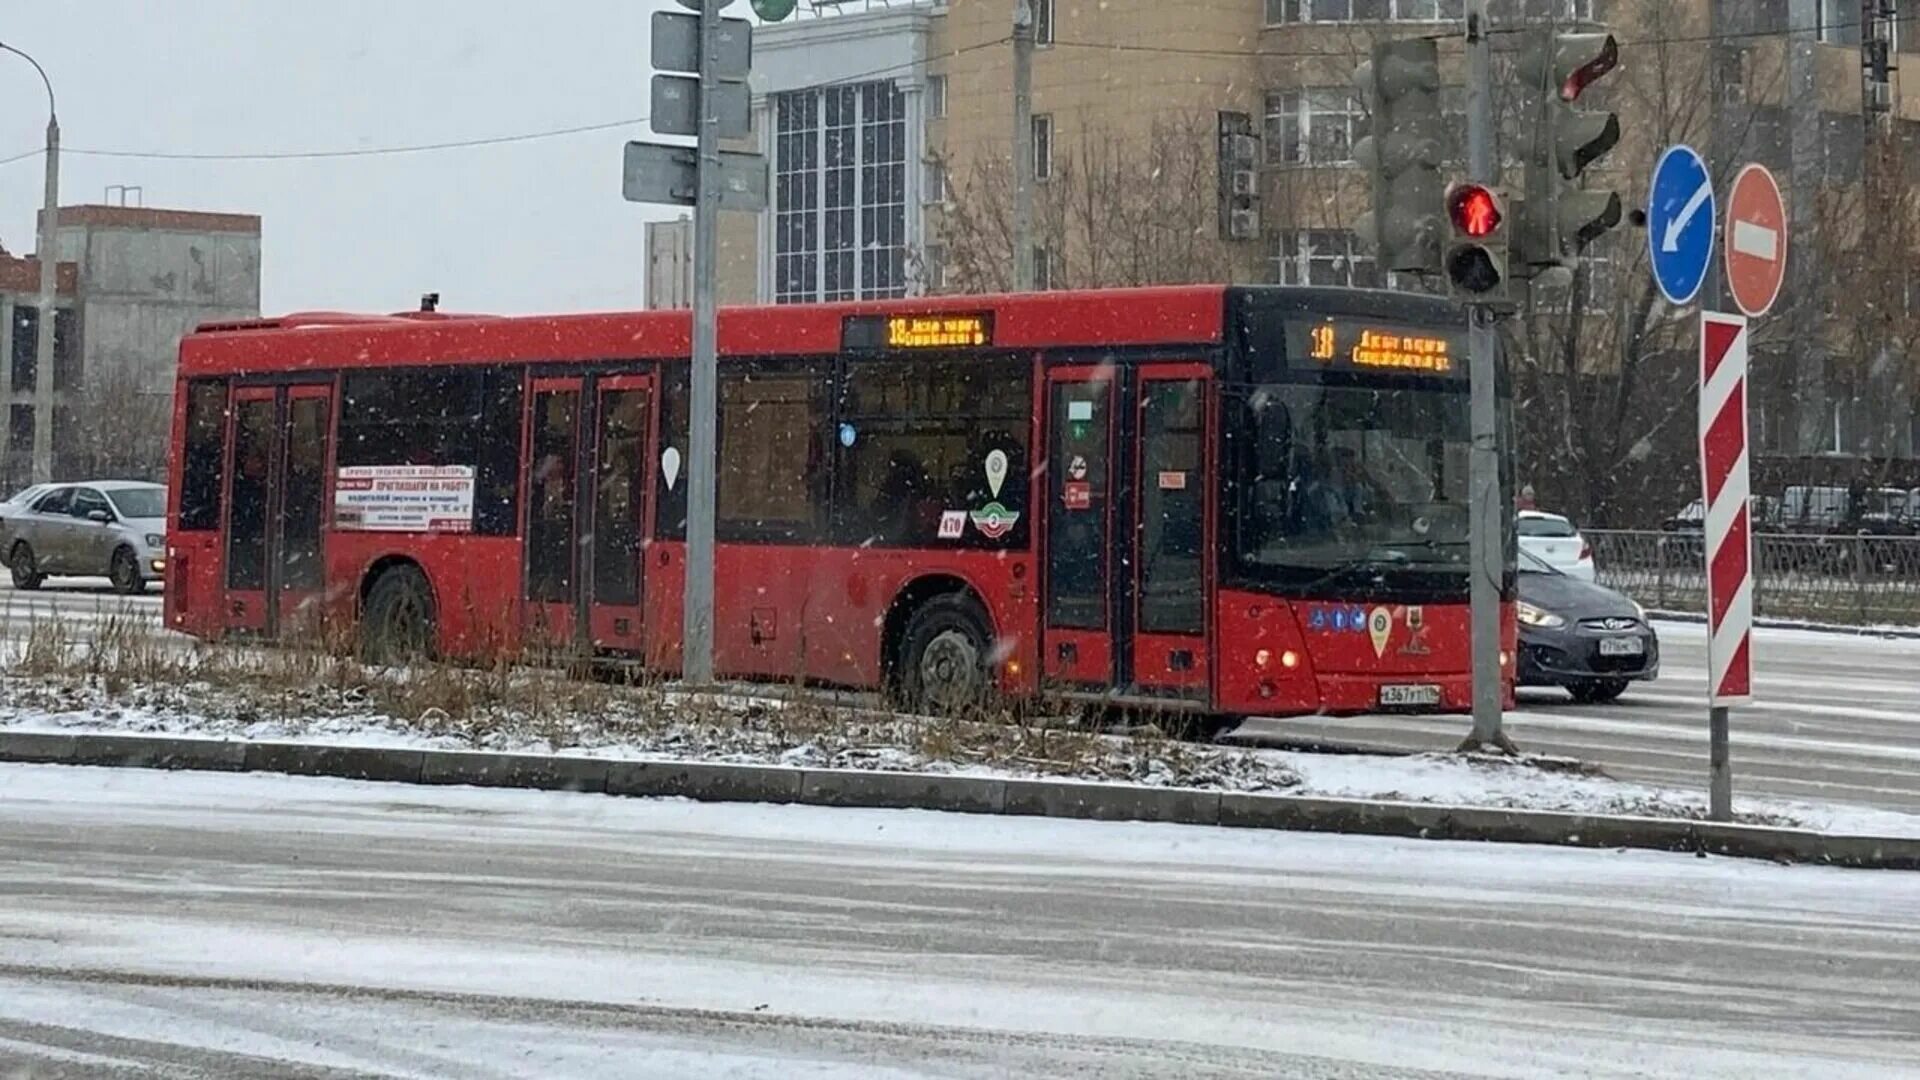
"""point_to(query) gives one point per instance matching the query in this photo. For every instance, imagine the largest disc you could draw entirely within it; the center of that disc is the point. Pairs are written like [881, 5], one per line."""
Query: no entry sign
[1723, 469]
[1756, 240]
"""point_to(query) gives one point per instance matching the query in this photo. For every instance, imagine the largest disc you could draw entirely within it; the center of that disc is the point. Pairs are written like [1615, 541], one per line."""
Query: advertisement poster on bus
[403, 498]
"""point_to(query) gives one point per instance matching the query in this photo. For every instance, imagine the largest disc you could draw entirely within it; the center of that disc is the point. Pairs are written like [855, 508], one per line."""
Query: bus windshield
[1353, 477]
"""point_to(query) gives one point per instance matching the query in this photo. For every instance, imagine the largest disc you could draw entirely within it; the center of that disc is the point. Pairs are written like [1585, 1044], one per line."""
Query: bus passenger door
[1077, 639]
[275, 504]
[1170, 523]
[618, 524]
[586, 501]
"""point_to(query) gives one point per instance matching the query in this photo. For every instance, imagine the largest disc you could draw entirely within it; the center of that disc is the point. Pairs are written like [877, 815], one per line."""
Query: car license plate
[1410, 694]
[1622, 646]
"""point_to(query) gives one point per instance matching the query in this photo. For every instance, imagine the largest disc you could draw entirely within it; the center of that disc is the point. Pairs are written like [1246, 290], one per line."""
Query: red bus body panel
[782, 610]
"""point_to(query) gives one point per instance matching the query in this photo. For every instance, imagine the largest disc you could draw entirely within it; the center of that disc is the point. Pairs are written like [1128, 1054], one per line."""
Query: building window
[933, 271]
[934, 175]
[1042, 21]
[936, 96]
[1502, 11]
[1042, 268]
[840, 193]
[1042, 146]
[1315, 126]
[1322, 257]
[1279, 12]
[1837, 22]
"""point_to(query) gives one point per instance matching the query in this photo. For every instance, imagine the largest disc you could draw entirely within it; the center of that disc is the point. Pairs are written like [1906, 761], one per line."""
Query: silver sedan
[115, 528]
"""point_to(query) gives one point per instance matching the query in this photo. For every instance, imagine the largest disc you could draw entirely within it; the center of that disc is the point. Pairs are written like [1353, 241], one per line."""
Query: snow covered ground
[260, 925]
[639, 724]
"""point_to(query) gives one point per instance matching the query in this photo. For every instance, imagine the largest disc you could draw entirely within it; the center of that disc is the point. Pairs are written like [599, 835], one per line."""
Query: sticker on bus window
[670, 466]
[1077, 468]
[996, 471]
[403, 498]
[1171, 480]
[1079, 410]
[953, 524]
[1077, 495]
[995, 521]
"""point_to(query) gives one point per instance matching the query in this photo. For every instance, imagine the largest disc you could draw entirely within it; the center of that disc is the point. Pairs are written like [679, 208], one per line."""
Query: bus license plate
[1410, 694]
[1622, 646]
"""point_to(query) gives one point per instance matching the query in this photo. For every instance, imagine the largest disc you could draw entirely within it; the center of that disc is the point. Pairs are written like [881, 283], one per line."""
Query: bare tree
[1117, 210]
[117, 429]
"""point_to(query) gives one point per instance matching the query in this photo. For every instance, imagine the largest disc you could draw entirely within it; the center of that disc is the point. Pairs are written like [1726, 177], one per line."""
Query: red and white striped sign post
[1729, 538]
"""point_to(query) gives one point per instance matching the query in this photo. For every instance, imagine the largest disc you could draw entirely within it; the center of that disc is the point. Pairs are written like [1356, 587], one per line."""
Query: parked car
[1764, 510]
[1552, 539]
[1585, 637]
[115, 528]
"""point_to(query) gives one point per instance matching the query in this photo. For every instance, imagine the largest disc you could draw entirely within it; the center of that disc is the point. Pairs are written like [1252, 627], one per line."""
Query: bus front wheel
[396, 624]
[944, 654]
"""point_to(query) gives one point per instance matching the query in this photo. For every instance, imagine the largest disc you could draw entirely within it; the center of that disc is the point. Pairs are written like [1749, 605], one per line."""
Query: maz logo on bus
[939, 331]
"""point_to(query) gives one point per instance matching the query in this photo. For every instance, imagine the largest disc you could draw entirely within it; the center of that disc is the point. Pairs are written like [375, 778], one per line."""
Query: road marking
[1752, 238]
[1670, 241]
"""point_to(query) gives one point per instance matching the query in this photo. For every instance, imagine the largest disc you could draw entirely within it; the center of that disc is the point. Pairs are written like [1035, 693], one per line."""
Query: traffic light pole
[1023, 277]
[696, 658]
[1486, 522]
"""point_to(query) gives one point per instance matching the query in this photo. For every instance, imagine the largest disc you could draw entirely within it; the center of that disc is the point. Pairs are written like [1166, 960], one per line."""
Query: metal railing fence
[1855, 580]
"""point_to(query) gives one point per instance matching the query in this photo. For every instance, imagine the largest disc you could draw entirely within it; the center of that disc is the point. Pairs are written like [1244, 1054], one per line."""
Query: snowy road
[201, 925]
[1836, 718]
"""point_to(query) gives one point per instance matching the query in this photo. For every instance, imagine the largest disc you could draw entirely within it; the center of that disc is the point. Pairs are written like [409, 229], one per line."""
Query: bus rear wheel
[396, 624]
[943, 663]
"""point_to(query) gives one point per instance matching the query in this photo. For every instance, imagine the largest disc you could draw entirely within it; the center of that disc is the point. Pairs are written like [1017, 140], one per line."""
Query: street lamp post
[49, 274]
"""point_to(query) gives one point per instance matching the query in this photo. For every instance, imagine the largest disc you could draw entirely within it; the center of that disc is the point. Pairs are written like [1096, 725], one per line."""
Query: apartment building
[888, 128]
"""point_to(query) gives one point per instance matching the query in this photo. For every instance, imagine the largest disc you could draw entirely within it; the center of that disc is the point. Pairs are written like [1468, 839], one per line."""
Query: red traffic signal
[1474, 211]
[1585, 61]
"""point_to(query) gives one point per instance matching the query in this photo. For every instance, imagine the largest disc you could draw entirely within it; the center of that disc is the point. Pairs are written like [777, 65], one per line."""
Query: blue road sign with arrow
[1680, 221]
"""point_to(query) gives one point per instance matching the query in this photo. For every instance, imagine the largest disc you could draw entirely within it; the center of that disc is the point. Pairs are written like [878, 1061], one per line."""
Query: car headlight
[1533, 616]
[1640, 610]
[155, 540]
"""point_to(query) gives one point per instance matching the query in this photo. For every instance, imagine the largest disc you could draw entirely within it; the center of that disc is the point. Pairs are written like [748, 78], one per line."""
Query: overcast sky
[533, 226]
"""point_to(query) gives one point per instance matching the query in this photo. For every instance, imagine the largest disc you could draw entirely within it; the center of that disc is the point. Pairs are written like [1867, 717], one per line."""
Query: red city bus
[1213, 500]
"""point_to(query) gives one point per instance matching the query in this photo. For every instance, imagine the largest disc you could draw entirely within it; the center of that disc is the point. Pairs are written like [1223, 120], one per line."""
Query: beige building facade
[888, 132]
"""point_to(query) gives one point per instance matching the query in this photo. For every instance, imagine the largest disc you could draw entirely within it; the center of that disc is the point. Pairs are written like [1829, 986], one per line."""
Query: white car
[1553, 540]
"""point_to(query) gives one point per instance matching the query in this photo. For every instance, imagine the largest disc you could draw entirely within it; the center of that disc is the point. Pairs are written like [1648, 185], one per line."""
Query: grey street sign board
[661, 173]
[676, 107]
[676, 44]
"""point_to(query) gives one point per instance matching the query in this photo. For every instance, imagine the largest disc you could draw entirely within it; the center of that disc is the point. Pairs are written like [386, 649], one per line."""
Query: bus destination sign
[941, 330]
[1361, 345]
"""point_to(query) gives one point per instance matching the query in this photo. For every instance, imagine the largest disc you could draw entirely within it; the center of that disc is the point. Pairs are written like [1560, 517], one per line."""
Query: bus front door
[586, 511]
[276, 506]
[1126, 530]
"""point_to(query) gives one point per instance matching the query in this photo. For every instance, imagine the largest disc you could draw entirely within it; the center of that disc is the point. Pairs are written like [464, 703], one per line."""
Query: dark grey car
[1585, 637]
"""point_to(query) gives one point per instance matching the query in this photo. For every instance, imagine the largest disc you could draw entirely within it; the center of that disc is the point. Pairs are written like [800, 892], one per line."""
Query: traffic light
[771, 10]
[1476, 255]
[1403, 152]
[1560, 216]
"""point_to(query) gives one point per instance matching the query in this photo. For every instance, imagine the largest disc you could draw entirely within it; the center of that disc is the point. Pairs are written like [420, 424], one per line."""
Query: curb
[714, 782]
[1899, 633]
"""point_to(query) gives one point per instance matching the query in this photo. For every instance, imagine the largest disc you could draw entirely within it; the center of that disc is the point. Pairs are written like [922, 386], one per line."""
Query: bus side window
[203, 456]
[670, 470]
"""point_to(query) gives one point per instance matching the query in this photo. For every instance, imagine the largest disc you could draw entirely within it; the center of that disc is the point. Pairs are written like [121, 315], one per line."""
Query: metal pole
[1719, 766]
[696, 663]
[1713, 298]
[1022, 146]
[1486, 547]
[49, 278]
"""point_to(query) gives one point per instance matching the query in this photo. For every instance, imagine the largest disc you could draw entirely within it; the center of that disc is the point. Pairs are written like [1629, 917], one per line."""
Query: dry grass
[123, 665]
